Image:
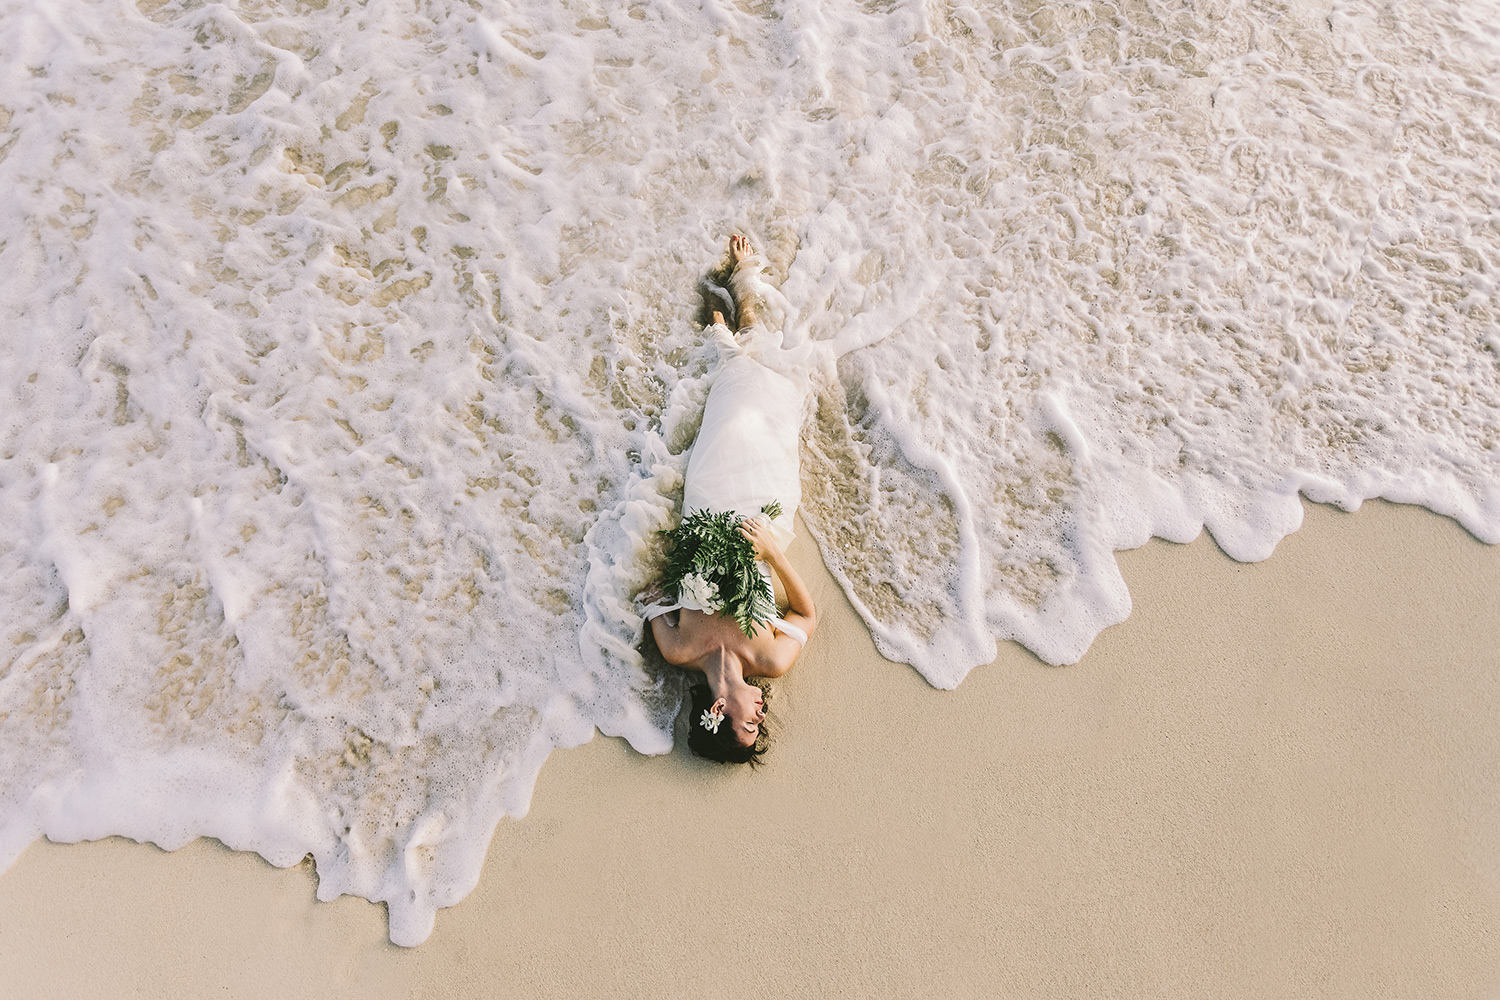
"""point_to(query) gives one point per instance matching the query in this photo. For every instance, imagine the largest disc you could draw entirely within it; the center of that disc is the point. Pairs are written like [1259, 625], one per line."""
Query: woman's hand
[758, 531]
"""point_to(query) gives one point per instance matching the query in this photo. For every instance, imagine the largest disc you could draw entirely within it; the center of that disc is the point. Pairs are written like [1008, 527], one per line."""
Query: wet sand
[1278, 779]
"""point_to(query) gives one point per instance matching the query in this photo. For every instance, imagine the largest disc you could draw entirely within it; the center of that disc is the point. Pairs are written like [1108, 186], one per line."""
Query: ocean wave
[350, 361]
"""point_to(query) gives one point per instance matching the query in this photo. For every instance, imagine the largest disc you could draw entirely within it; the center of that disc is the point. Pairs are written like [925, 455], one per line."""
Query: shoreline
[1274, 779]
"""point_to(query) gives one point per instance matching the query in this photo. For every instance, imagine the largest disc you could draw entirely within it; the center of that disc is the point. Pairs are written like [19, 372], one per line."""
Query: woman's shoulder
[770, 652]
[774, 652]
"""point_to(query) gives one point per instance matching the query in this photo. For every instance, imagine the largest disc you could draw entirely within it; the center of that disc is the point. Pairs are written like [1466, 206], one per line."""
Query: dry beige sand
[1274, 780]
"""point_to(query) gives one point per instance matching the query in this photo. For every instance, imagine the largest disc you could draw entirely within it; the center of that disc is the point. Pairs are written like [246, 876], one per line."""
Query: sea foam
[348, 363]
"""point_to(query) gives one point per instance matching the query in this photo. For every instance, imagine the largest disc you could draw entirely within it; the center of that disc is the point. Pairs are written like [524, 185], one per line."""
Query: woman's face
[744, 710]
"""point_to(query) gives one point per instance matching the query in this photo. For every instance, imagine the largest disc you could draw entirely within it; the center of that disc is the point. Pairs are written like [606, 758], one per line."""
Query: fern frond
[711, 546]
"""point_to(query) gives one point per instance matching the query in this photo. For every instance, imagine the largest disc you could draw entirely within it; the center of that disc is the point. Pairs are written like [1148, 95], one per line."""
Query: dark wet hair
[721, 746]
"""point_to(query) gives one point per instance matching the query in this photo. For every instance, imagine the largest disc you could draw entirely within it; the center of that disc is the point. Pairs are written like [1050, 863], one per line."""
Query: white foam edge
[171, 799]
[617, 570]
[1127, 507]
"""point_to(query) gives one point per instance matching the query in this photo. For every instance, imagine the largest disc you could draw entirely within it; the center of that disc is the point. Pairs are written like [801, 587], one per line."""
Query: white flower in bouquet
[697, 589]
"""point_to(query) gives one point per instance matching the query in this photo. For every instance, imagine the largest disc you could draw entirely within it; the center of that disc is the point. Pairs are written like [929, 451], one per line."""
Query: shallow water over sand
[350, 359]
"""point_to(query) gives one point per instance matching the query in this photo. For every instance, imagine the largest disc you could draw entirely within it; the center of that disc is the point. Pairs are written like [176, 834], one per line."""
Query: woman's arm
[669, 640]
[800, 608]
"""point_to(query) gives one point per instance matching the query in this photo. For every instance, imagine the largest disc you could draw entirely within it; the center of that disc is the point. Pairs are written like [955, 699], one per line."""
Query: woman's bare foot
[718, 318]
[740, 250]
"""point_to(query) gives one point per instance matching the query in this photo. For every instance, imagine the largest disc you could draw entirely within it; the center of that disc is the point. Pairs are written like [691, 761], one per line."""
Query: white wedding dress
[746, 453]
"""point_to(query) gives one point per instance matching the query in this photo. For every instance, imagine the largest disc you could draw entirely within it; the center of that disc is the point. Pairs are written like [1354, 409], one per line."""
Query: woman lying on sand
[744, 464]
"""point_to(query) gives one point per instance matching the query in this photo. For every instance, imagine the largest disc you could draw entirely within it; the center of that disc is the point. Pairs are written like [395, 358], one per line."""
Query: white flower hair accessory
[711, 720]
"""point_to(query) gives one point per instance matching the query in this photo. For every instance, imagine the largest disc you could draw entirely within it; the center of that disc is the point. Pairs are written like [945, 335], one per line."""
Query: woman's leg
[739, 249]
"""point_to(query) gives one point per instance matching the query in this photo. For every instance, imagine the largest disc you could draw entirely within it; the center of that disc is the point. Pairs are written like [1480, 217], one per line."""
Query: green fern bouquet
[713, 565]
